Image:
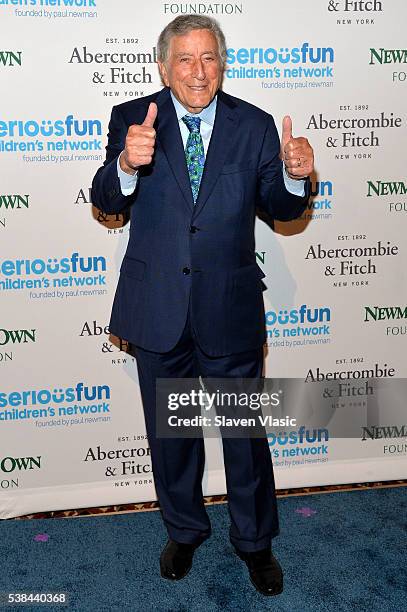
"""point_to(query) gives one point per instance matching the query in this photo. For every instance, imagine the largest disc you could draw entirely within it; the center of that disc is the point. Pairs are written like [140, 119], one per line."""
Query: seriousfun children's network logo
[298, 447]
[296, 64]
[298, 326]
[52, 9]
[56, 140]
[320, 206]
[63, 277]
[79, 404]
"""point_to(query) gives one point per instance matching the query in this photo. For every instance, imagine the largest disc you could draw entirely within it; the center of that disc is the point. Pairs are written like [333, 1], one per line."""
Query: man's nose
[198, 70]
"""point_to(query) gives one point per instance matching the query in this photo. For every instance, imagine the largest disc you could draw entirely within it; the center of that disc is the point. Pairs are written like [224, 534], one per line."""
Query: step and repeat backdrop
[71, 420]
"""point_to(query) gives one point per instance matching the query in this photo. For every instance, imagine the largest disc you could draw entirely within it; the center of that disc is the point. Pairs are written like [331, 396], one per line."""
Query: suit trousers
[178, 463]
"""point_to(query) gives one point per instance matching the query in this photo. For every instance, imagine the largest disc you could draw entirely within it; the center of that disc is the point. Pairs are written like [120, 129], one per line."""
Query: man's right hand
[140, 143]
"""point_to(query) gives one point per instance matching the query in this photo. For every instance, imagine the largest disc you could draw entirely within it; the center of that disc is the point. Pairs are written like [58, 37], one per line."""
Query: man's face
[193, 69]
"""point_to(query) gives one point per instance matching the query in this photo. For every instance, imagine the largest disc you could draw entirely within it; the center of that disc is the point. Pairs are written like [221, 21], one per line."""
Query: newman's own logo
[391, 56]
[16, 336]
[14, 201]
[10, 58]
[386, 188]
[388, 56]
[381, 313]
[389, 431]
[9, 464]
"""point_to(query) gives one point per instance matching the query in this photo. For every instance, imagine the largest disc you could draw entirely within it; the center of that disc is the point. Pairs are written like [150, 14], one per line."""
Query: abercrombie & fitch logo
[355, 6]
[349, 258]
[351, 138]
[110, 344]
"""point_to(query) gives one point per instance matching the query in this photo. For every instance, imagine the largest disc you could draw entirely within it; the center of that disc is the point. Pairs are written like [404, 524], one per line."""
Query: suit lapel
[169, 135]
[220, 146]
[222, 138]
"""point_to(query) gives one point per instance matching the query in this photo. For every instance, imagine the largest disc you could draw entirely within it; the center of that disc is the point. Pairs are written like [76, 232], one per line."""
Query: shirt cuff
[292, 185]
[128, 182]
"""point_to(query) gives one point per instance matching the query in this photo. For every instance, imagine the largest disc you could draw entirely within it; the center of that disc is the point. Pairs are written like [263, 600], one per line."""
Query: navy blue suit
[189, 297]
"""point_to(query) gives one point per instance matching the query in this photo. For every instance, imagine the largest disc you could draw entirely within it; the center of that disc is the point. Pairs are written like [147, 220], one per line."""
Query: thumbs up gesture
[296, 153]
[140, 143]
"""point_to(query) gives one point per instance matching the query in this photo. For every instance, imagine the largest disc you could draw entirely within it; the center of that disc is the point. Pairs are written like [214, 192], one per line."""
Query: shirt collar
[207, 115]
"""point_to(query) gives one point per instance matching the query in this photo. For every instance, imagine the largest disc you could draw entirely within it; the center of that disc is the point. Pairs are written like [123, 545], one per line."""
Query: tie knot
[192, 123]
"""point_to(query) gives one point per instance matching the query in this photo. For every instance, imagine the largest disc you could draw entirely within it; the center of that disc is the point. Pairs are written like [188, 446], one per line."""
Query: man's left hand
[296, 153]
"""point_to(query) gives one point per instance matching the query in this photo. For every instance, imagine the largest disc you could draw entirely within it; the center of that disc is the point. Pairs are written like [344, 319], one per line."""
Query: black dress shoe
[176, 560]
[264, 570]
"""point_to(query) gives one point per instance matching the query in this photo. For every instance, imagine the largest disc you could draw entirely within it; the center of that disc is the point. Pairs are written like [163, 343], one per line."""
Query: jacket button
[193, 229]
[186, 271]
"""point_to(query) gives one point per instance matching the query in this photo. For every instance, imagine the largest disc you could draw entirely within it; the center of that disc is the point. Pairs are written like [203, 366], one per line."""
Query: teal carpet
[339, 551]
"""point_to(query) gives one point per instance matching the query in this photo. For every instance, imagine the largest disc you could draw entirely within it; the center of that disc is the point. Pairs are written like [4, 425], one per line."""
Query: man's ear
[163, 73]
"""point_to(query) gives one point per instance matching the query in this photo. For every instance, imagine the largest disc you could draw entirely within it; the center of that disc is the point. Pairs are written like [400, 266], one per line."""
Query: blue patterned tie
[194, 153]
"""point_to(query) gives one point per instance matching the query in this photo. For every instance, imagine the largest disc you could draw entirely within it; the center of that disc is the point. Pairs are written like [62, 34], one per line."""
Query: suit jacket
[202, 255]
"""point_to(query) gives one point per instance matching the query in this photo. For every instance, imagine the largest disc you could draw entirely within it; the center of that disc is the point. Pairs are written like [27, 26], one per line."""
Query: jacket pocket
[135, 268]
[247, 275]
[240, 167]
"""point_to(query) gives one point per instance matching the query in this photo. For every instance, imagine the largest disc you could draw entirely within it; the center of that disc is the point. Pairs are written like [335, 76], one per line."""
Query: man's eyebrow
[190, 54]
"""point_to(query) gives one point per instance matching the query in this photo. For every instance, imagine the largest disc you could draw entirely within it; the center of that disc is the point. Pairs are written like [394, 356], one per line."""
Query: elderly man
[194, 163]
